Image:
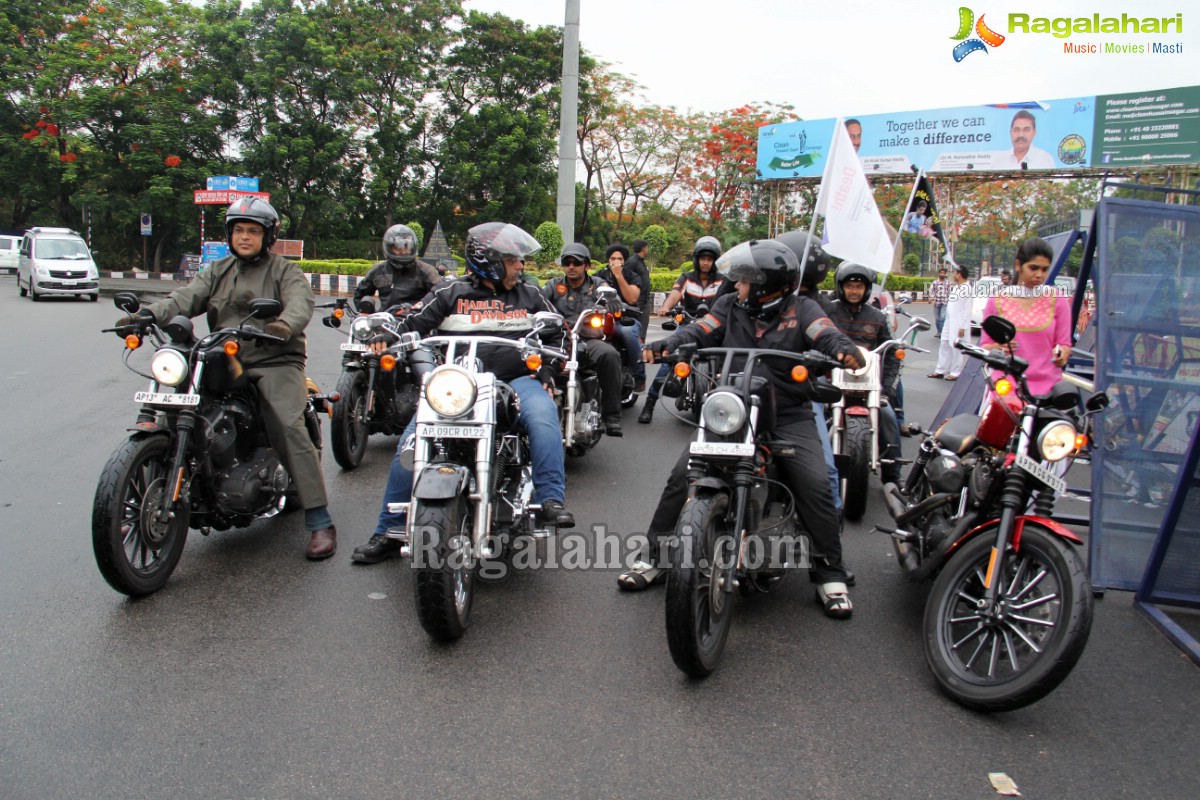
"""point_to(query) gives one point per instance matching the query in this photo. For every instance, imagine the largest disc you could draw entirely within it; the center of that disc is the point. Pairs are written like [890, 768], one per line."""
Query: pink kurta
[1046, 323]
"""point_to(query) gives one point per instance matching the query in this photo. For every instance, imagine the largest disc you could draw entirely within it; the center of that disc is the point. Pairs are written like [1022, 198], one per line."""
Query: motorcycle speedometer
[450, 391]
[1057, 440]
[724, 413]
[169, 367]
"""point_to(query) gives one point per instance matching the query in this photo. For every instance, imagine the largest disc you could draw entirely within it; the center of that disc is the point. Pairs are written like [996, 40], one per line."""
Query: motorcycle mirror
[670, 325]
[179, 329]
[606, 293]
[548, 320]
[265, 308]
[823, 391]
[332, 322]
[127, 302]
[1001, 330]
[904, 301]
[1097, 402]
[922, 324]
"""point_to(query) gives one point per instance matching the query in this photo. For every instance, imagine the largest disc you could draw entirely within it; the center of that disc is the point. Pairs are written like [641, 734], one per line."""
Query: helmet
[577, 250]
[492, 242]
[249, 208]
[706, 244]
[769, 267]
[851, 271]
[400, 245]
[817, 266]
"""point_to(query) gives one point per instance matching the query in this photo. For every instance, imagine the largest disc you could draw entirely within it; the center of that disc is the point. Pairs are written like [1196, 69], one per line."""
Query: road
[256, 674]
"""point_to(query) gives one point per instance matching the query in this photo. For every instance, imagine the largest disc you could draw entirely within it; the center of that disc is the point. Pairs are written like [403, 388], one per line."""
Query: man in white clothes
[958, 324]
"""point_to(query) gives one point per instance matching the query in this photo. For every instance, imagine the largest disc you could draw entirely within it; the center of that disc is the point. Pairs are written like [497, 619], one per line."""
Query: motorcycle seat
[957, 434]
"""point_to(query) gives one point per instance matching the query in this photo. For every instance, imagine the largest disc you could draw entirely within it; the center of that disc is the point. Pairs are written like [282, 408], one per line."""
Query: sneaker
[378, 548]
[553, 512]
[835, 598]
[642, 576]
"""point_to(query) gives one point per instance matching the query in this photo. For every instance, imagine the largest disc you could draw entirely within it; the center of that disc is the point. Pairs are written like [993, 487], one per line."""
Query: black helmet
[490, 243]
[249, 208]
[851, 271]
[400, 245]
[705, 244]
[817, 265]
[769, 267]
[579, 251]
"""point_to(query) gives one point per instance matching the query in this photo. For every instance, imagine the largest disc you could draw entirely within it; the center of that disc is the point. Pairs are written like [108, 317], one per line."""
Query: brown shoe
[322, 544]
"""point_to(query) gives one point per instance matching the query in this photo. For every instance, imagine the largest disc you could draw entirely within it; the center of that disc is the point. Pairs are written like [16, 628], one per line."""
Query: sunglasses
[573, 262]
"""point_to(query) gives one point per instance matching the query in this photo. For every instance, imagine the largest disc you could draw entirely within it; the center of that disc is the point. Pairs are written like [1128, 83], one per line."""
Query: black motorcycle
[198, 454]
[701, 376]
[739, 530]
[1011, 605]
[378, 393]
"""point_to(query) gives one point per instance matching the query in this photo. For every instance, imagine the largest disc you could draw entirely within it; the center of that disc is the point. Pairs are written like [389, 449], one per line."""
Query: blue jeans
[939, 317]
[889, 443]
[835, 485]
[631, 335]
[664, 372]
[540, 420]
[897, 401]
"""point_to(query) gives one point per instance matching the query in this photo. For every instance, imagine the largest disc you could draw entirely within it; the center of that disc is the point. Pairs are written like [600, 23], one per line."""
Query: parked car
[56, 261]
[9, 246]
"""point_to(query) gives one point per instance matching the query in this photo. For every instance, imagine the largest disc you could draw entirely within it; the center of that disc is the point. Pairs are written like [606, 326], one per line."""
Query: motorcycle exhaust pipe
[903, 515]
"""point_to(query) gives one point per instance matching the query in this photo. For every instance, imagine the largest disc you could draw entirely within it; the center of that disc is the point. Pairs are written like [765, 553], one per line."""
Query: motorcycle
[577, 394]
[378, 394]
[739, 529]
[854, 420]
[689, 391]
[198, 454]
[472, 474]
[1011, 606]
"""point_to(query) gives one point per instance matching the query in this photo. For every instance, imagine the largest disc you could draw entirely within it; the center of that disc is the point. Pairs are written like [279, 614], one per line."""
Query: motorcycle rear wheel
[1000, 666]
[134, 552]
[445, 586]
[698, 613]
[857, 445]
[348, 427]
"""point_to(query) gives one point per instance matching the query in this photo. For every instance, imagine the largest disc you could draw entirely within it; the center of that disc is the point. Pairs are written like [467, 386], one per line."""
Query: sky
[827, 58]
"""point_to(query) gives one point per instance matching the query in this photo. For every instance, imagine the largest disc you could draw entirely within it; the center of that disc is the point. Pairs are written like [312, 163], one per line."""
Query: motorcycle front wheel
[444, 568]
[348, 429]
[1021, 655]
[135, 552]
[699, 614]
[857, 446]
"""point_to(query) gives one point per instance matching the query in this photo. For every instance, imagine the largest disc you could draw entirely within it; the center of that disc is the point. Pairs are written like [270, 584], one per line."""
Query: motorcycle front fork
[174, 490]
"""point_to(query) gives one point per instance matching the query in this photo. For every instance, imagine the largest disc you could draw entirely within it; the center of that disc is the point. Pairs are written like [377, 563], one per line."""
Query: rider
[570, 295]
[699, 287]
[490, 300]
[630, 285]
[867, 327]
[224, 291]
[766, 313]
[400, 277]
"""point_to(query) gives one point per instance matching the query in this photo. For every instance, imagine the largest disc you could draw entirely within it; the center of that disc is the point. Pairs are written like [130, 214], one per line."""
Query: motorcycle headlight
[450, 391]
[723, 413]
[363, 328]
[169, 367]
[1056, 441]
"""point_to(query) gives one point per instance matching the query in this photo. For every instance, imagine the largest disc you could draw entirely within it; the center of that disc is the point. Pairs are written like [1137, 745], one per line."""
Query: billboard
[225, 183]
[1156, 127]
[223, 197]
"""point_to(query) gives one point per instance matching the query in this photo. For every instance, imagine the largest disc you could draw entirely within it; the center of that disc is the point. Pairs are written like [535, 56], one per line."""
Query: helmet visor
[738, 264]
[505, 240]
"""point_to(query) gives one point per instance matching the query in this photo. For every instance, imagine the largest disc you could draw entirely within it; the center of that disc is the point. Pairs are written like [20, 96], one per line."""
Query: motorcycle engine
[981, 473]
[230, 434]
[254, 486]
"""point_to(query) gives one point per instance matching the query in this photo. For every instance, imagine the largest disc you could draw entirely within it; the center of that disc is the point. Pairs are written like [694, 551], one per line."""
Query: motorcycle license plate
[1039, 471]
[167, 399]
[454, 432]
[737, 449]
[355, 347]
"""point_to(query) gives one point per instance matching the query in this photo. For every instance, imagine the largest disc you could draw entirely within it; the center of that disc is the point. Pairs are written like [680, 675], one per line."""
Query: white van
[9, 245]
[56, 261]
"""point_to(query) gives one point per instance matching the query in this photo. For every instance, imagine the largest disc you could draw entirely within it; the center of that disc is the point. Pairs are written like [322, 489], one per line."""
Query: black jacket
[408, 284]
[571, 302]
[633, 277]
[867, 326]
[468, 306]
[800, 325]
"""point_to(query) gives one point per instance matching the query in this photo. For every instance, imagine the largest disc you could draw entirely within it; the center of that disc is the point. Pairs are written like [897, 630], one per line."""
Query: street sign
[223, 197]
[147, 227]
[212, 251]
[231, 183]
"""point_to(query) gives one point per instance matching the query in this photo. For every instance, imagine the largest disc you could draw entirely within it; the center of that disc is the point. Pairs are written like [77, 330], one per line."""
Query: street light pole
[568, 123]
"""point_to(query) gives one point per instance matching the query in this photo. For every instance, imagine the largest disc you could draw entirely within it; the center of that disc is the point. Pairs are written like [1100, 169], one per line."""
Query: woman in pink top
[1042, 318]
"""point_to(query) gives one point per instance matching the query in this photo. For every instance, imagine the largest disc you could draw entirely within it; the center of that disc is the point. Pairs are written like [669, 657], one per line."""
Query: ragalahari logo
[986, 36]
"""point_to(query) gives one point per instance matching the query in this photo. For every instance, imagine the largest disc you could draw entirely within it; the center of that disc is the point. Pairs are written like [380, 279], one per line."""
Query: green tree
[550, 237]
[657, 242]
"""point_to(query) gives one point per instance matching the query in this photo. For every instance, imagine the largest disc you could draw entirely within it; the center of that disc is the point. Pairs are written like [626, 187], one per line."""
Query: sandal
[836, 599]
[951, 377]
[642, 576]
[935, 375]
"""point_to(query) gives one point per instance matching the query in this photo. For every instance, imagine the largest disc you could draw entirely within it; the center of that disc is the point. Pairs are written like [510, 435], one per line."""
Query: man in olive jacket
[223, 292]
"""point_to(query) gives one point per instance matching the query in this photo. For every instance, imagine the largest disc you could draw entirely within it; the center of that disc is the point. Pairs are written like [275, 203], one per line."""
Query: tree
[657, 242]
[550, 237]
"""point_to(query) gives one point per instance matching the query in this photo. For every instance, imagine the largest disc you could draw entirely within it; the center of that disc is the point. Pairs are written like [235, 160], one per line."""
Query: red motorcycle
[1011, 605]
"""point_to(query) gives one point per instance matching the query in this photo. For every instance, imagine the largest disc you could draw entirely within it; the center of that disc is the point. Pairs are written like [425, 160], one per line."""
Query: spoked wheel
[857, 445]
[135, 550]
[348, 428]
[699, 613]
[1009, 659]
[445, 582]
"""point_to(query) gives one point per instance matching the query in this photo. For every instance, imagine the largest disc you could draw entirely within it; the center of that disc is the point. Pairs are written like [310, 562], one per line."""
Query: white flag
[854, 229]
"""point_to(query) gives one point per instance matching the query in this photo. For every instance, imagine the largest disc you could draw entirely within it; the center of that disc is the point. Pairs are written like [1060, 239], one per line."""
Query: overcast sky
[829, 58]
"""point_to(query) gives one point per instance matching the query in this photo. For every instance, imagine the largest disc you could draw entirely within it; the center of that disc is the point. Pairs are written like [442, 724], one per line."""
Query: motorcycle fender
[709, 486]
[1056, 528]
[858, 411]
[440, 482]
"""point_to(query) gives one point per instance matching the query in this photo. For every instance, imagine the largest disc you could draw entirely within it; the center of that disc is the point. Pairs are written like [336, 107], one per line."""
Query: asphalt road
[256, 674]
